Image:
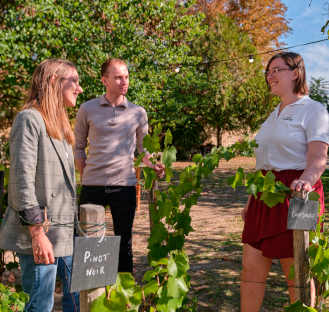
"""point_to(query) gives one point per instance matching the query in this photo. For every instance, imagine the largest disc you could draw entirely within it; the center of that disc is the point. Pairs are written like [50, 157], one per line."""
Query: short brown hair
[110, 61]
[293, 61]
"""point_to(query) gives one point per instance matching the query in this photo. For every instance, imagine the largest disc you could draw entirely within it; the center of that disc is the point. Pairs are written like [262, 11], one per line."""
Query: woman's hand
[299, 185]
[43, 252]
[316, 160]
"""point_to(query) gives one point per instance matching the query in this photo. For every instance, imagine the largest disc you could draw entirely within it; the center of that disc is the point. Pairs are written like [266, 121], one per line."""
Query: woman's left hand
[301, 185]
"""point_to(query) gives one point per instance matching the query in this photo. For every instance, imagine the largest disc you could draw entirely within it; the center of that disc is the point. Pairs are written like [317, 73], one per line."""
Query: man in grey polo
[114, 127]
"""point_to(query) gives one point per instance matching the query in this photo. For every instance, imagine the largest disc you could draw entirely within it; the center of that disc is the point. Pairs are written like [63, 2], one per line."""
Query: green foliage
[319, 91]
[233, 95]
[10, 300]
[166, 284]
[125, 295]
[273, 192]
[4, 153]
[325, 26]
[152, 36]
[318, 262]
[299, 307]
[318, 257]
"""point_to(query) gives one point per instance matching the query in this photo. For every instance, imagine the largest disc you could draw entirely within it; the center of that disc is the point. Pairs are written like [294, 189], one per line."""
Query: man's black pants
[122, 202]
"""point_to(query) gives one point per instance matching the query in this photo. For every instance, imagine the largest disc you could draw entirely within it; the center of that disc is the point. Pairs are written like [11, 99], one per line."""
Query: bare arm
[81, 134]
[80, 164]
[316, 164]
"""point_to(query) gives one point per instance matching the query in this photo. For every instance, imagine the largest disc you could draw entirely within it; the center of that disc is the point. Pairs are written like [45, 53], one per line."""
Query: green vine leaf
[149, 177]
[271, 199]
[151, 288]
[237, 180]
[172, 267]
[168, 139]
[169, 156]
[177, 287]
[299, 307]
[314, 196]
[273, 192]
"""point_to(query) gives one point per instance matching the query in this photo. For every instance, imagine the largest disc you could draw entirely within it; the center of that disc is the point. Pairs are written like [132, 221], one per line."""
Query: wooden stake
[152, 199]
[2, 190]
[138, 188]
[91, 214]
[302, 281]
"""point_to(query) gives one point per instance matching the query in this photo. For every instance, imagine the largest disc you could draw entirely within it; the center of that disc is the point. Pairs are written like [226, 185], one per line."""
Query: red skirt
[266, 228]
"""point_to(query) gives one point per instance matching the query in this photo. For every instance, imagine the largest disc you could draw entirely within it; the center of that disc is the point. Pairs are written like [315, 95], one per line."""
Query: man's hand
[158, 167]
[80, 164]
[43, 252]
[159, 170]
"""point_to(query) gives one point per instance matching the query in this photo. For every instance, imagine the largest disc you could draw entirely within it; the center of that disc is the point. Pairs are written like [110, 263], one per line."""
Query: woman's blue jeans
[39, 280]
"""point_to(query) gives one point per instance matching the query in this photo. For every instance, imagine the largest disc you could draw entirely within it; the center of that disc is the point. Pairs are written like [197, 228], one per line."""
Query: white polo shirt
[282, 140]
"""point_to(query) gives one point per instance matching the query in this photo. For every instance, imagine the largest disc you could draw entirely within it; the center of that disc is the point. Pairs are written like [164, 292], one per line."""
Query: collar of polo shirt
[104, 102]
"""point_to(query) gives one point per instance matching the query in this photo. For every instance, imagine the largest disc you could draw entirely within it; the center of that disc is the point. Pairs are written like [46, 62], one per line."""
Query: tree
[319, 90]
[234, 95]
[263, 20]
[151, 35]
[326, 25]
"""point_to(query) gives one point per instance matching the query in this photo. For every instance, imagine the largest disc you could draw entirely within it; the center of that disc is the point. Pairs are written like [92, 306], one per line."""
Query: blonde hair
[46, 95]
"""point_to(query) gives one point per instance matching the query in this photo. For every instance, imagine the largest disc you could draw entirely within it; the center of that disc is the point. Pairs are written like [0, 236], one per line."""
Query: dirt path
[214, 247]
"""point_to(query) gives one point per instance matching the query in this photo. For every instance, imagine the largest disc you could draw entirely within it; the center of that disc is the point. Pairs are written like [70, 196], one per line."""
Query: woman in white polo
[293, 144]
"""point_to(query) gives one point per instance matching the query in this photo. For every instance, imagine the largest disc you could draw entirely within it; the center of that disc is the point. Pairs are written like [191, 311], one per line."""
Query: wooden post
[91, 214]
[138, 189]
[152, 199]
[2, 190]
[302, 282]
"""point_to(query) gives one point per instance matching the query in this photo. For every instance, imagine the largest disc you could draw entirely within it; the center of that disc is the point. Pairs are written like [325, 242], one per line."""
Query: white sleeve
[317, 125]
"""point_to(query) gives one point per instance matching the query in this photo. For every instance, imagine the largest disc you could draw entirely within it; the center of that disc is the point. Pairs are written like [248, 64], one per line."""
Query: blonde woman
[42, 182]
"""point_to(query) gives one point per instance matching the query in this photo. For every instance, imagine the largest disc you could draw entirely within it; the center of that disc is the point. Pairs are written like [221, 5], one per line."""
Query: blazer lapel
[63, 157]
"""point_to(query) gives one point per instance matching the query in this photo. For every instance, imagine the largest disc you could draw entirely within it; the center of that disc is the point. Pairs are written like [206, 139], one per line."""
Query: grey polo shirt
[113, 133]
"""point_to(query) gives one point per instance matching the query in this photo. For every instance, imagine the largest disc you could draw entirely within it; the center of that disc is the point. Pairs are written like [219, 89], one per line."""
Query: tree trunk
[2, 191]
[218, 136]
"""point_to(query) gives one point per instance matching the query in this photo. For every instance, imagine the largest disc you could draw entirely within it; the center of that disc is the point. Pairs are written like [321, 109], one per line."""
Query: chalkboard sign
[302, 214]
[95, 262]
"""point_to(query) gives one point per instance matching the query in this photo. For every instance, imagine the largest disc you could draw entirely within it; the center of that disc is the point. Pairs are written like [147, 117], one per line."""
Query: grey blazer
[41, 175]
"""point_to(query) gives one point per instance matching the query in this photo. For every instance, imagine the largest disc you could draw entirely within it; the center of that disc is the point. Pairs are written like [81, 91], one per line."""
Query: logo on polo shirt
[288, 118]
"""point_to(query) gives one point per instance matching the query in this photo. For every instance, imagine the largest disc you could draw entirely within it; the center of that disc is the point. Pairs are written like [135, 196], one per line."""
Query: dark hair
[295, 62]
[110, 61]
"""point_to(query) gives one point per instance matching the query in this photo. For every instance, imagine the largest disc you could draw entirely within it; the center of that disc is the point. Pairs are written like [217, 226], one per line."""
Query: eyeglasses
[275, 70]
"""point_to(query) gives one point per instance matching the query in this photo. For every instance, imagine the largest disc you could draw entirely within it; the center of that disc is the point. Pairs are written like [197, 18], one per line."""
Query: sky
[306, 20]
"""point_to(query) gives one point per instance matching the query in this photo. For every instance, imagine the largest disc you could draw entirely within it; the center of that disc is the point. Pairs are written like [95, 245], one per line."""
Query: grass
[325, 182]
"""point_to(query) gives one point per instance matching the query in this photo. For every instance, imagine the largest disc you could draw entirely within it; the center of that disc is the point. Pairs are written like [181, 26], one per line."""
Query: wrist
[36, 231]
